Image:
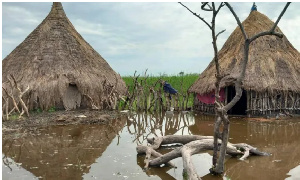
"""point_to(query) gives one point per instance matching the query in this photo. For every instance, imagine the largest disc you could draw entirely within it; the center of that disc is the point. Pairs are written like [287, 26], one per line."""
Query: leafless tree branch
[206, 4]
[281, 14]
[220, 33]
[221, 110]
[237, 20]
[220, 6]
[264, 34]
[272, 30]
[198, 16]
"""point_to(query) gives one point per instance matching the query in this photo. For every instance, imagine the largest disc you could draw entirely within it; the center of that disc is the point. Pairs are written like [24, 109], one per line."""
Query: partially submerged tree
[221, 109]
[219, 142]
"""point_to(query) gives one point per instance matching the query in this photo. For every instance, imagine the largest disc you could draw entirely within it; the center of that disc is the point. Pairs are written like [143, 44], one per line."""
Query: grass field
[174, 80]
[180, 82]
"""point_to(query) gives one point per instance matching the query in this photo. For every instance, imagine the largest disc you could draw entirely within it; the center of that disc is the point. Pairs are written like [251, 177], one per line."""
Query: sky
[164, 38]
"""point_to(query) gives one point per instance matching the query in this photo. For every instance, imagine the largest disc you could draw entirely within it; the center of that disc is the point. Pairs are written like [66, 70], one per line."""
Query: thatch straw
[54, 56]
[274, 64]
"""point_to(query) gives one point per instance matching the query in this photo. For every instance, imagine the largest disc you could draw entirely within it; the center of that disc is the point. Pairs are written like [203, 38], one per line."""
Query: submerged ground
[101, 145]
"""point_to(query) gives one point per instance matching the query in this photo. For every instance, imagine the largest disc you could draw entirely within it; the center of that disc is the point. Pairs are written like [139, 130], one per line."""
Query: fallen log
[172, 139]
[192, 144]
[149, 151]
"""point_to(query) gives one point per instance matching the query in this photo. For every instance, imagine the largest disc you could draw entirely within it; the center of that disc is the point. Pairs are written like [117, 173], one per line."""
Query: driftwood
[191, 144]
[20, 94]
[6, 107]
[150, 151]
[12, 97]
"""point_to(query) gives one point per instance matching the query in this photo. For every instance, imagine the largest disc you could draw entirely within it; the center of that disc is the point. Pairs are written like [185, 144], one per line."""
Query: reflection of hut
[271, 84]
[60, 67]
[64, 152]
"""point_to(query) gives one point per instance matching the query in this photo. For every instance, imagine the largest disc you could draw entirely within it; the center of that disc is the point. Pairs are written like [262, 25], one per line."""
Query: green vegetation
[52, 109]
[14, 116]
[38, 110]
[174, 80]
[180, 82]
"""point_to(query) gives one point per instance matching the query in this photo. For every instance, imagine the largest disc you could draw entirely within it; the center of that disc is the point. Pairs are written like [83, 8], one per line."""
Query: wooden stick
[20, 94]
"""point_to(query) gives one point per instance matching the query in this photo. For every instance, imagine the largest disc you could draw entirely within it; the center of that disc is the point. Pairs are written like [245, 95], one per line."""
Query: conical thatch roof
[55, 57]
[274, 64]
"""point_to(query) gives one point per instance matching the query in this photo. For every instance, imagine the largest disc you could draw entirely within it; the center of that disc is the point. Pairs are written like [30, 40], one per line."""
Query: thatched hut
[271, 84]
[60, 68]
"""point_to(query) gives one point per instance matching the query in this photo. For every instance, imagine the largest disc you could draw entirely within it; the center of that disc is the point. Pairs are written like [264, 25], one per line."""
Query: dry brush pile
[15, 95]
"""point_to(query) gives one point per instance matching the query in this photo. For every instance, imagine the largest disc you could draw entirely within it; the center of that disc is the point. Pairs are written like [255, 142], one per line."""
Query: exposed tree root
[191, 145]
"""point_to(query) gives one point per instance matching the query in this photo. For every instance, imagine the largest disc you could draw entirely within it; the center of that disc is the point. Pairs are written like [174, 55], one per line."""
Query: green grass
[14, 116]
[39, 110]
[52, 109]
[180, 82]
[174, 80]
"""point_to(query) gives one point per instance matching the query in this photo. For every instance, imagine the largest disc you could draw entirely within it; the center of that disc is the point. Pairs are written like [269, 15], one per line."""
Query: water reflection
[162, 173]
[143, 125]
[280, 138]
[108, 151]
[62, 152]
[294, 173]
[15, 170]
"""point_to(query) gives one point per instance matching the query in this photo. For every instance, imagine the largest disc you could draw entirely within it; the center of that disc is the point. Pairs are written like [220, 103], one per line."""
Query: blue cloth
[169, 89]
[254, 7]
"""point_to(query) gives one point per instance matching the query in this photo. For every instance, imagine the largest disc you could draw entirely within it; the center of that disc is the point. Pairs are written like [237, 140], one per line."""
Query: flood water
[108, 151]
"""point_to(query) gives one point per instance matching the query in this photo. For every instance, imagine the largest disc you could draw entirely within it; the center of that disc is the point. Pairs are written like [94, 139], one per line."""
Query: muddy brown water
[108, 151]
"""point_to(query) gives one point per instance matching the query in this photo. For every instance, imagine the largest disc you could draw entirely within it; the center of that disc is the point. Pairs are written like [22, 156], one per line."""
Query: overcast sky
[163, 37]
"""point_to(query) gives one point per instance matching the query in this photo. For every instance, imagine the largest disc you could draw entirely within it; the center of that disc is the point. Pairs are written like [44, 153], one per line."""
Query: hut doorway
[241, 106]
[72, 97]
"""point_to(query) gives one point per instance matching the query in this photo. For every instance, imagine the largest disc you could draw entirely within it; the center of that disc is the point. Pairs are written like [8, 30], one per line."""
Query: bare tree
[197, 144]
[221, 109]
